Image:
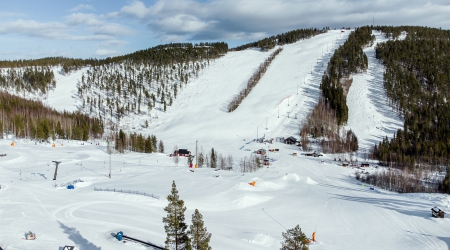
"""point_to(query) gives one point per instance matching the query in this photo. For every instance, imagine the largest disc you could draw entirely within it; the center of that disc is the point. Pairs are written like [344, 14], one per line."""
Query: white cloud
[98, 25]
[224, 19]
[82, 7]
[53, 30]
[136, 9]
[105, 53]
[182, 23]
[47, 30]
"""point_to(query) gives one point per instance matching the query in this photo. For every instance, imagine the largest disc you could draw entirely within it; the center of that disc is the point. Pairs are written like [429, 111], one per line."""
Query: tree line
[417, 83]
[421, 180]
[282, 39]
[159, 55]
[137, 143]
[322, 126]
[251, 83]
[31, 119]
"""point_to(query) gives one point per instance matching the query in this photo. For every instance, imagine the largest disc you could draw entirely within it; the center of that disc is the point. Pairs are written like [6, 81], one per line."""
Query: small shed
[345, 164]
[294, 154]
[437, 213]
[290, 140]
[261, 151]
[182, 152]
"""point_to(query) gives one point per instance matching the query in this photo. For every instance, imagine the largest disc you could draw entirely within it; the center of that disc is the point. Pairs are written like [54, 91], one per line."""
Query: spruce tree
[213, 158]
[199, 237]
[294, 239]
[174, 224]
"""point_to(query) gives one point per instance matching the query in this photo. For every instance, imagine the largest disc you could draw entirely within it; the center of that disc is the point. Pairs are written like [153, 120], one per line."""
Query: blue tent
[70, 187]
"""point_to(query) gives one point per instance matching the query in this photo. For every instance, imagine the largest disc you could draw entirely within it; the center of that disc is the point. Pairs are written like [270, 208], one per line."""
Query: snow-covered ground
[64, 96]
[369, 114]
[293, 190]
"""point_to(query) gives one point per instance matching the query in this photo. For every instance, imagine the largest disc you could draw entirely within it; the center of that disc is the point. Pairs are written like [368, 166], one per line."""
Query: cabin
[182, 152]
[345, 164]
[290, 140]
[437, 213]
[261, 151]
[294, 154]
[365, 164]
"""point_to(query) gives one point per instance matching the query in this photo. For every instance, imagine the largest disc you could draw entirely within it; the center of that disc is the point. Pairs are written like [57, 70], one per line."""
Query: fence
[126, 192]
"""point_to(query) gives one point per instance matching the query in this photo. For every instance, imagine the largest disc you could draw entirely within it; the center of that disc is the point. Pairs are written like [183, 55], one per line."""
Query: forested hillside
[29, 79]
[111, 88]
[417, 82]
[283, 38]
[31, 119]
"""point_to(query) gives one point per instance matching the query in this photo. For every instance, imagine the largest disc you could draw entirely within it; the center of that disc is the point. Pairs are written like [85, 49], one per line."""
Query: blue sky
[101, 28]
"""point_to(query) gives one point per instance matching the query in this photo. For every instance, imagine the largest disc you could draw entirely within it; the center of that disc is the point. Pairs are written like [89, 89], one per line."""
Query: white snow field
[370, 115]
[293, 190]
[64, 96]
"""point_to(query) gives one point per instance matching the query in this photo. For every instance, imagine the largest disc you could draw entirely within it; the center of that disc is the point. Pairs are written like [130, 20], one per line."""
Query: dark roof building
[290, 140]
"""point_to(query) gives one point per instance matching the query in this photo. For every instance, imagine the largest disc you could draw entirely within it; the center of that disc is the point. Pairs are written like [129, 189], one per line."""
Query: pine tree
[174, 224]
[161, 146]
[213, 158]
[201, 159]
[199, 237]
[294, 239]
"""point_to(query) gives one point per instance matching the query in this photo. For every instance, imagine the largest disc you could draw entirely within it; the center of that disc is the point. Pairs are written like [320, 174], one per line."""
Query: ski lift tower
[56, 169]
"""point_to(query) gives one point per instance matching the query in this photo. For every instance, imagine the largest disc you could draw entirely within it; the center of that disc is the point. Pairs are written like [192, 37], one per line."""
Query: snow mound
[311, 181]
[265, 240]
[269, 185]
[250, 200]
[291, 177]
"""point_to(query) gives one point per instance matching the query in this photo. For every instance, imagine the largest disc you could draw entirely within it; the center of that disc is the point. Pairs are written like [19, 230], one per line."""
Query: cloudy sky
[101, 28]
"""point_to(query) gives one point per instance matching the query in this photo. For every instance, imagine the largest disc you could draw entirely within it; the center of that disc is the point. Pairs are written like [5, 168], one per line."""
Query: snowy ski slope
[293, 190]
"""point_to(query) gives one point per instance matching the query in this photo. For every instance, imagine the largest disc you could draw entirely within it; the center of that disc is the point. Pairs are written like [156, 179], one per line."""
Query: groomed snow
[292, 191]
[369, 114]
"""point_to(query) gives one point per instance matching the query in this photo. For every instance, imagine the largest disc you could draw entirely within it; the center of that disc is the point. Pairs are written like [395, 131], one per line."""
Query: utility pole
[278, 111]
[56, 169]
[266, 123]
[288, 114]
[196, 149]
[256, 134]
[109, 152]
